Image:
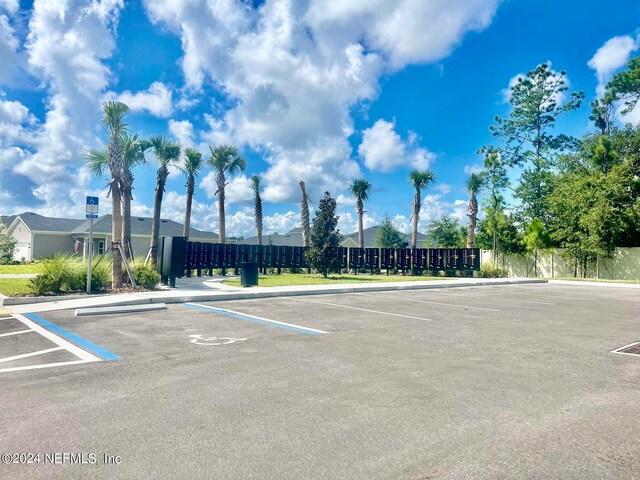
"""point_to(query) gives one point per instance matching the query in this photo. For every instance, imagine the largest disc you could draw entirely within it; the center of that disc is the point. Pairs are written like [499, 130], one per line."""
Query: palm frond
[226, 159]
[113, 117]
[193, 162]
[474, 183]
[421, 179]
[360, 189]
[165, 151]
[97, 161]
[255, 183]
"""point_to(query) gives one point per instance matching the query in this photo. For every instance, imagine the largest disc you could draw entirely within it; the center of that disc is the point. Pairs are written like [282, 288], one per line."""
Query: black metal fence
[208, 256]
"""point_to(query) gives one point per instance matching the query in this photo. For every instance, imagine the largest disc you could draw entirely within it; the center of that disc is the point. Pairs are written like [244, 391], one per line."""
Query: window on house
[101, 247]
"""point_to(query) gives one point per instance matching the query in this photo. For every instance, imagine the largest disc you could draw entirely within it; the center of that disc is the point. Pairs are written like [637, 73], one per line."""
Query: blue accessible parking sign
[92, 206]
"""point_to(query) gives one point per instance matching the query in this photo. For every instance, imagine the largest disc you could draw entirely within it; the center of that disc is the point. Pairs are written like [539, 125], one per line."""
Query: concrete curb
[8, 301]
[246, 294]
[585, 283]
[81, 312]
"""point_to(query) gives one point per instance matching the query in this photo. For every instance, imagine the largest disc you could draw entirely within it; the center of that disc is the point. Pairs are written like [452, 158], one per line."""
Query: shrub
[100, 276]
[59, 273]
[488, 270]
[64, 274]
[145, 276]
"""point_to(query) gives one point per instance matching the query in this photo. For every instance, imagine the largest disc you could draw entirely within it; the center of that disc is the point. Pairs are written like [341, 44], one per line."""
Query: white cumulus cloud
[384, 150]
[611, 56]
[157, 100]
[293, 70]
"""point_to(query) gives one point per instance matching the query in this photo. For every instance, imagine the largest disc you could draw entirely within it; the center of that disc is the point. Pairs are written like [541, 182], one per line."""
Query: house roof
[7, 220]
[142, 226]
[371, 234]
[292, 238]
[37, 222]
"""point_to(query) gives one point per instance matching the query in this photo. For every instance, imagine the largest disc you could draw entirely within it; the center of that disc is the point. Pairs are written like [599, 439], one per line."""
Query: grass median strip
[22, 269]
[15, 286]
[290, 279]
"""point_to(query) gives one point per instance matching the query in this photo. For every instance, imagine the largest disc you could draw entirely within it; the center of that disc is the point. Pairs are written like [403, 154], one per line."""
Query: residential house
[38, 236]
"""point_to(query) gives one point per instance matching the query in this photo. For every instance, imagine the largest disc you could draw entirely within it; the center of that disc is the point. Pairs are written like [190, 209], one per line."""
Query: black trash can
[249, 274]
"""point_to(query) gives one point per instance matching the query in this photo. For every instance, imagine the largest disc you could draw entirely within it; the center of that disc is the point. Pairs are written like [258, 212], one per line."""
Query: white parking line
[6, 318]
[356, 308]
[42, 365]
[504, 299]
[16, 333]
[439, 303]
[62, 343]
[246, 316]
[565, 297]
[620, 352]
[30, 354]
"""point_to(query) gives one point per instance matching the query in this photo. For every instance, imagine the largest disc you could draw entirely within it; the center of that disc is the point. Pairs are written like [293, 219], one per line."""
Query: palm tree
[225, 160]
[257, 188]
[133, 148]
[419, 179]
[166, 152]
[304, 215]
[193, 163]
[360, 189]
[111, 158]
[473, 184]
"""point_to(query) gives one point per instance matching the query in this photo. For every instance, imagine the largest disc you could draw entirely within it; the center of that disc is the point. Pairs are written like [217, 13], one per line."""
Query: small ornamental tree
[7, 245]
[389, 236]
[444, 233]
[325, 238]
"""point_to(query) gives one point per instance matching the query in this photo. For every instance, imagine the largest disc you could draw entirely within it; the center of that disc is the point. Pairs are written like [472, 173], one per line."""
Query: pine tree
[325, 238]
[525, 138]
[389, 236]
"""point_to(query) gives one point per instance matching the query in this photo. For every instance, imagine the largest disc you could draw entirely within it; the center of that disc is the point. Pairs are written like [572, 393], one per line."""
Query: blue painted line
[251, 319]
[81, 342]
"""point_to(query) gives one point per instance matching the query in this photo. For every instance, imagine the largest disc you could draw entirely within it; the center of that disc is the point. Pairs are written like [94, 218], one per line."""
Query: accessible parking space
[488, 382]
[29, 342]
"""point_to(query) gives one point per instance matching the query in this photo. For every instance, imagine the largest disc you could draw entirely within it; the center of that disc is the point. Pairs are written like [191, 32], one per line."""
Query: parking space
[489, 382]
[29, 342]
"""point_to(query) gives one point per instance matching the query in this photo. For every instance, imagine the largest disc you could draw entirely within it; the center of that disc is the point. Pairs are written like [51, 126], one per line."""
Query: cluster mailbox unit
[178, 257]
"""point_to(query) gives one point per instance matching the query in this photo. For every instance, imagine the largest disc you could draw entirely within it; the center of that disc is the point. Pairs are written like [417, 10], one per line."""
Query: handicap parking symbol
[200, 340]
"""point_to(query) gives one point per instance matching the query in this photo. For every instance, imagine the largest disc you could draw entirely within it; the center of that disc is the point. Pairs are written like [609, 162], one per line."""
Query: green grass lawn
[26, 268]
[600, 280]
[288, 279]
[15, 286]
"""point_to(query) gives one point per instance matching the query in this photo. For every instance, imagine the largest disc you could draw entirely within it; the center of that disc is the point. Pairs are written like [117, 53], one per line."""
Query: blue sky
[314, 90]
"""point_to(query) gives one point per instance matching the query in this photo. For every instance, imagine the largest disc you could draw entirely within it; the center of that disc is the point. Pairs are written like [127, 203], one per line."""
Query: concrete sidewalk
[200, 290]
[586, 283]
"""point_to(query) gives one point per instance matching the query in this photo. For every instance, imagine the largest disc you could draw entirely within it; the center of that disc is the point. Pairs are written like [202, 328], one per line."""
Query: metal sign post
[92, 212]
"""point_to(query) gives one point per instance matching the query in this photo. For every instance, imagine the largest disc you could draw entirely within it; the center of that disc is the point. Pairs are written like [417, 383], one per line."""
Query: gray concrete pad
[474, 384]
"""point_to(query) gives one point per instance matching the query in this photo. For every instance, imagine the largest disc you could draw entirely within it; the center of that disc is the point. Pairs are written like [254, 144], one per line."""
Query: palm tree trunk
[116, 230]
[126, 222]
[258, 213]
[304, 216]
[473, 215]
[416, 217]
[221, 181]
[157, 207]
[187, 211]
[360, 210]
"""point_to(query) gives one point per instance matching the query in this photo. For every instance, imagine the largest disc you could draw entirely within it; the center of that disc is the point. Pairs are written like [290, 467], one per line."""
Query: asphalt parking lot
[484, 382]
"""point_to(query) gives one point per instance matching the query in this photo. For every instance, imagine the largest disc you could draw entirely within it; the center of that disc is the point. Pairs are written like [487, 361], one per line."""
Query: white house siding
[23, 241]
